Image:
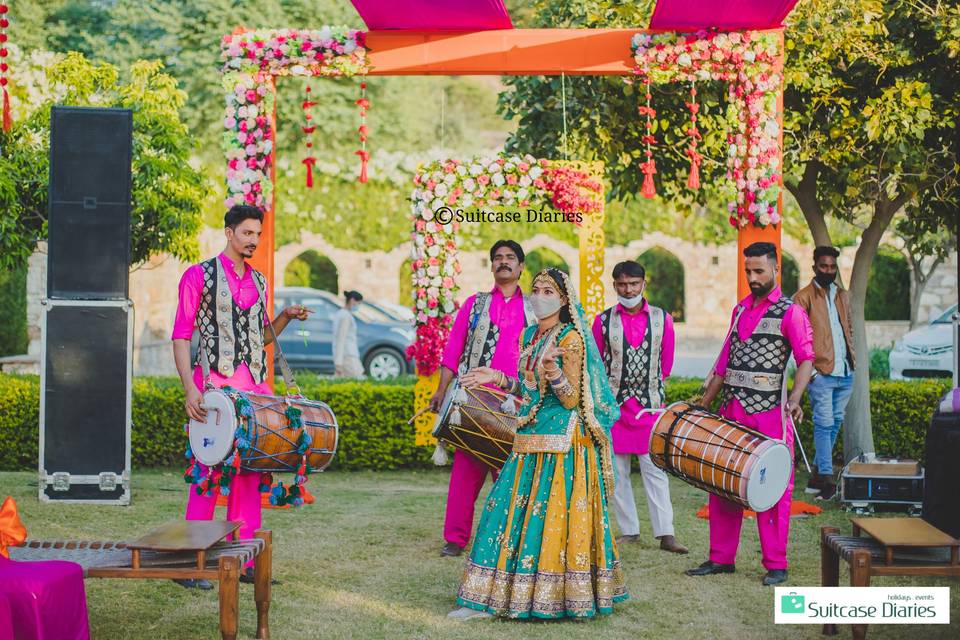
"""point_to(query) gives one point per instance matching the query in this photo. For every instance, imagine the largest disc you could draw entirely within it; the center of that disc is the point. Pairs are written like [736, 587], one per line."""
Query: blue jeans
[828, 397]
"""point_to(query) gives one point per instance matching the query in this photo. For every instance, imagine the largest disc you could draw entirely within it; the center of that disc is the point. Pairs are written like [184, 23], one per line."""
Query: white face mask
[630, 303]
[544, 307]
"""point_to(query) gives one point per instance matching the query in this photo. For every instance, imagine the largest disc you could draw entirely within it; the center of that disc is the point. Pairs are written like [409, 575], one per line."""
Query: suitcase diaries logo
[791, 603]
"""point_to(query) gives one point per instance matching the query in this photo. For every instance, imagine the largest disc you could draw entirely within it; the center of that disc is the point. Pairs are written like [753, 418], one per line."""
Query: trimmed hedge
[374, 434]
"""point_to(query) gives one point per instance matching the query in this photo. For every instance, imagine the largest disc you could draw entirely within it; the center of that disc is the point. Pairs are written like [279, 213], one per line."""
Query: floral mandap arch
[750, 62]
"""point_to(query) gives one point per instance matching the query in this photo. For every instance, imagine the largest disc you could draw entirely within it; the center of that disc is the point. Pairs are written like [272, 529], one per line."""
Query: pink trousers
[773, 525]
[243, 503]
[466, 481]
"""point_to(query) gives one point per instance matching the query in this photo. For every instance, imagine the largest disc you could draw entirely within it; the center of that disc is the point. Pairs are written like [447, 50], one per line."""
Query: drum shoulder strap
[477, 332]
[656, 322]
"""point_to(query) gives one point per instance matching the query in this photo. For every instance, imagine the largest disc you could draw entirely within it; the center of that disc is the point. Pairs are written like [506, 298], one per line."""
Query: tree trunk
[805, 193]
[919, 277]
[858, 431]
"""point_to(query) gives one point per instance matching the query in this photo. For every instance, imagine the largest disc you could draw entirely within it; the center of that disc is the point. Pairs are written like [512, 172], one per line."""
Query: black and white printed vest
[483, 335]
[230, 335]
[756, 366]
[633, 372]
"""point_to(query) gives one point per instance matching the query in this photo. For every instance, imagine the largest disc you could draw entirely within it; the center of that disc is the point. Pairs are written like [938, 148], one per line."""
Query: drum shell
[709, 452]
[270, 438]
[485, 430]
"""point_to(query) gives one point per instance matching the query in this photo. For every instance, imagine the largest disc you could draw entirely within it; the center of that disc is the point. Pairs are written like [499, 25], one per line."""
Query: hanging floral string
[364, 104]
[693, 181]
[4, 67]
[308, 128]
[649, 167]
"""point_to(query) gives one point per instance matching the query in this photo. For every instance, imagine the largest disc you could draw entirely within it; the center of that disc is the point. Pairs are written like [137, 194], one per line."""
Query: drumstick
[418, 414]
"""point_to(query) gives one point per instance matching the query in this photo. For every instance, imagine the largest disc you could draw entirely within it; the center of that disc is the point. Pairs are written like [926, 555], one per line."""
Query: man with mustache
[750, 371]
[223, 298]
[828, 306]
[485, 333]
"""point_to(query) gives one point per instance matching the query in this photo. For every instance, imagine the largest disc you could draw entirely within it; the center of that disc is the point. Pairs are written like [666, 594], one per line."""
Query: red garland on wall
[693, 132]
[4, 67]
[364, 104]
[308, 128]
[649, 167]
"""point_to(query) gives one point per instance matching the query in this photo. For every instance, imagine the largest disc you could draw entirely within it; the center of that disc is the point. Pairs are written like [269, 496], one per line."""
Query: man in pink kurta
[766, 329]
[486, 332]
[234, 363]
[636, 342]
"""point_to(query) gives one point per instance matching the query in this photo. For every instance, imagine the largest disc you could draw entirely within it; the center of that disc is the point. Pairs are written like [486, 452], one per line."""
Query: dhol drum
[721, 456]
[280, 430]
[475, 420]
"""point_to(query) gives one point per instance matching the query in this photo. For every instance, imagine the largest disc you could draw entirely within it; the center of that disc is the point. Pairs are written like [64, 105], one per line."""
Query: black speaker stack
[87, 318]
[941, 497]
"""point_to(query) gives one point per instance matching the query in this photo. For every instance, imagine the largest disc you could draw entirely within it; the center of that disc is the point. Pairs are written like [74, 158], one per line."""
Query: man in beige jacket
[828, 306]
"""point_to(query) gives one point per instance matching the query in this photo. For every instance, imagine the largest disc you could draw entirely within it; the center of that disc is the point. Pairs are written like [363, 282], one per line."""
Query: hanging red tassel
[4, 23]
[693, 181]
[309, 161]
[649, 189]
[308, 130]
[7, 119]
[649, 167]
[362, 130]
[364, 158]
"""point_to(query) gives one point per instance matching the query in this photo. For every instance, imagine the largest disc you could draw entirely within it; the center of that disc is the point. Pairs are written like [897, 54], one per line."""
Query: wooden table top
[905, 532]
[185, 535]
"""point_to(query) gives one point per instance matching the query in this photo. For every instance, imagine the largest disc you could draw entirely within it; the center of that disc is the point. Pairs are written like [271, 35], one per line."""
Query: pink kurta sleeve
[721, 368]
[190, 289]
[667, 346]
[458, 337]
[598, 333]
[799, 332]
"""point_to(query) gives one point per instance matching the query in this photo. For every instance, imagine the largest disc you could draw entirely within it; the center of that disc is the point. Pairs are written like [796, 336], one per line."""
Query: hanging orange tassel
[649, 189]
[364, 158]
[309, 161]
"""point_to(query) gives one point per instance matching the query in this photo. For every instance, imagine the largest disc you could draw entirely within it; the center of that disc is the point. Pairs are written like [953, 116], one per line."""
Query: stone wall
[940, 293]
[709, 285]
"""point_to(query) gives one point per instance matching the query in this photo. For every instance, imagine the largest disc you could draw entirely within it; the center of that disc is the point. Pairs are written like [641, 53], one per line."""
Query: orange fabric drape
[12, 531]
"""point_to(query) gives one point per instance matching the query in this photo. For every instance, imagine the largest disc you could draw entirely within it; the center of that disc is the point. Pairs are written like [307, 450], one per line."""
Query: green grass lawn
[363, 562]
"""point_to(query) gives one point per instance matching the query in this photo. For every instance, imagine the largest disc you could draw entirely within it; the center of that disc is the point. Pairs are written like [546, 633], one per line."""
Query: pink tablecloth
[44, 600]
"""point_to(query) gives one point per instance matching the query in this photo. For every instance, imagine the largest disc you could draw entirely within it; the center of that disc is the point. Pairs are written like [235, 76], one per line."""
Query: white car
[926, 352]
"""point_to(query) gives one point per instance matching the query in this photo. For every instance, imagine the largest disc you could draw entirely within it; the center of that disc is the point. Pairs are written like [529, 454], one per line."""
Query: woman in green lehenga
[543, 548]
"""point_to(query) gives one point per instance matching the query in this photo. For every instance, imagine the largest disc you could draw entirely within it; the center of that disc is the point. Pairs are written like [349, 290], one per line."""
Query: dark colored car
[381, 338]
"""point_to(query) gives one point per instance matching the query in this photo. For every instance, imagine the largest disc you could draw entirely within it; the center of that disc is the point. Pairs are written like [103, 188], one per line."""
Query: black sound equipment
[85, 411]
[88, 247]
[941, 503]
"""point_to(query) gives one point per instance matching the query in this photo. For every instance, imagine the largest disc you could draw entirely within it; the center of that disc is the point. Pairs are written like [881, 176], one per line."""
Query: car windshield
[947, 317]
[369, 313]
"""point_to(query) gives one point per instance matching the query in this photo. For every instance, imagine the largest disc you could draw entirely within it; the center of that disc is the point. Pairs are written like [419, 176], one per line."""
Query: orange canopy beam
[503, 52]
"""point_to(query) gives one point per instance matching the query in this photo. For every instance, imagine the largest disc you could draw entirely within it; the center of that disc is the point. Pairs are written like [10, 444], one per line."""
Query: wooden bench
[180, 550]
[895, 547]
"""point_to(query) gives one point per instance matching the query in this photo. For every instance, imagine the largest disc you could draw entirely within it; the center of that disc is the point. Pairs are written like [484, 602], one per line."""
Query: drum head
[768, 476]
[445, 408]
[212, 439]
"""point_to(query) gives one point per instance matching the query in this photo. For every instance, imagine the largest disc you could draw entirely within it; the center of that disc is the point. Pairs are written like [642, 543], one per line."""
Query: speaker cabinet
[89, 203]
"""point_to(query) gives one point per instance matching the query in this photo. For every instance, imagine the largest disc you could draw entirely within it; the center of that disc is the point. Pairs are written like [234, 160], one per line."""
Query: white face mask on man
[543, 306]
[630, 303]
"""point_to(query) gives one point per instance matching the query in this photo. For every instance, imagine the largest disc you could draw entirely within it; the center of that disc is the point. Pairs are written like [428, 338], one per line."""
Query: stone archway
[312, 269]
[665, 281]
[538, 259]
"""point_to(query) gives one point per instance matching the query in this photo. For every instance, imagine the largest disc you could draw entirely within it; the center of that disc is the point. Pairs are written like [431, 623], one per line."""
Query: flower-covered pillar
[252, 60]
[751, 65]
